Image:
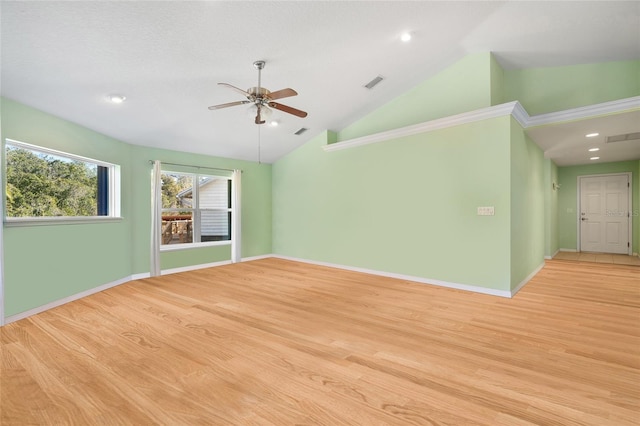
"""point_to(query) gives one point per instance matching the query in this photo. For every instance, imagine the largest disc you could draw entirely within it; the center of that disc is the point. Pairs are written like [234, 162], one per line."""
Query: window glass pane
[214, 193]
[177, 227]
[215, 225]
[41, 184]
[177, 195]
[190, 216]
[177, 190]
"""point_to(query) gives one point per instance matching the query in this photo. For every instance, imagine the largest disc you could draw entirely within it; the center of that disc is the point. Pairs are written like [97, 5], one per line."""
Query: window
[195, 213]
[47, 184]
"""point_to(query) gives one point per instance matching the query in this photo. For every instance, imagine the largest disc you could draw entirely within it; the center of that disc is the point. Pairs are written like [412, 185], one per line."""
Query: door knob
[585, 218]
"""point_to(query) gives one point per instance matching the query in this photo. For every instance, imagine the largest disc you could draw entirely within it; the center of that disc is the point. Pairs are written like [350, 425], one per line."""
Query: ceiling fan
[262, 99]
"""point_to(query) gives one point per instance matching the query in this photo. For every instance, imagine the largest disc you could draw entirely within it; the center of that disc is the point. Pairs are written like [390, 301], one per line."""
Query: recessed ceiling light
[117, 99]
[274, 123]
[594, 149]
[405, 37]
[592, 135]
[594, 158]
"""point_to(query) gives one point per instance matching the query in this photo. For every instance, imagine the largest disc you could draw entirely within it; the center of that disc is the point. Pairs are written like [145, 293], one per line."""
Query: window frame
[196, 210]
[113, 190]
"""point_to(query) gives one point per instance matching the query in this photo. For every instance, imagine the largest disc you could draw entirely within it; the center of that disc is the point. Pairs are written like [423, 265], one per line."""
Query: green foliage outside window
[41, 185]
[172, 185]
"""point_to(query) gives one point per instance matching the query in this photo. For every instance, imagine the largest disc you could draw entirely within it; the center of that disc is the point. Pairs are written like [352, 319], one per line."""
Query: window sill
[187, 246]
[48, 221]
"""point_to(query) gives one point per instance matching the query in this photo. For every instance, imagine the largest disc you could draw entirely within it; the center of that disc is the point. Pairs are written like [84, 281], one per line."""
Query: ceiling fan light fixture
[116, 99]
[265, 112]
[274, 123]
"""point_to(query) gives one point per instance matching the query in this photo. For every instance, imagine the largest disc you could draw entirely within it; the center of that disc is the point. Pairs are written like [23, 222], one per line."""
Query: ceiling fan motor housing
[259, 93]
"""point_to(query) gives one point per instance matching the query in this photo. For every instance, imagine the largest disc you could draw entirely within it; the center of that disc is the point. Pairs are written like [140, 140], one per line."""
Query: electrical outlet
[486, 211]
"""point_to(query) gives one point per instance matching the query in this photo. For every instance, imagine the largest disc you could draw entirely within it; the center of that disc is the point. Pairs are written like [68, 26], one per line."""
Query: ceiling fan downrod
[259, 66]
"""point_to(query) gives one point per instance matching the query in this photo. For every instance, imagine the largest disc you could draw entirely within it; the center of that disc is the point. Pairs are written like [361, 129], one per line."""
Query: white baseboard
[59, 302]
[262, 256]
[194, 267]
[466, 287]
[576, 251]
[553, 255]
[200, 266]
[527, 279]
[140, 276]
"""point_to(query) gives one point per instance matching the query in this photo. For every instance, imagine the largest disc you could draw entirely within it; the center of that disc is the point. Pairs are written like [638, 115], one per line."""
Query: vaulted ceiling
[167, 58]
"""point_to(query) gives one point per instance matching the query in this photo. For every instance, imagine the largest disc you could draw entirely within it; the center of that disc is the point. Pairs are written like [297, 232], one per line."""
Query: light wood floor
[273, 342]
[618, 259]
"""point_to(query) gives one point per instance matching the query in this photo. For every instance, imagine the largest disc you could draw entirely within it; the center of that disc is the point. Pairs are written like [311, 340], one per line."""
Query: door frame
[630, 206]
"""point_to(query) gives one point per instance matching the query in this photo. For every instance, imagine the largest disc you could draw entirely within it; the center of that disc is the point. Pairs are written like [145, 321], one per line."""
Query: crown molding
[520, 114]
[581, 113]
[515, 109]
[427, 126]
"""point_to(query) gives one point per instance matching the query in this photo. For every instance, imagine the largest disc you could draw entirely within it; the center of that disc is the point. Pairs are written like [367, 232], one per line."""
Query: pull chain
[259, 150]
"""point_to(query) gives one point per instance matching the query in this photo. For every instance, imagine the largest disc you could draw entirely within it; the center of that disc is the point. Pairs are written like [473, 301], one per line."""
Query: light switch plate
[486, 211]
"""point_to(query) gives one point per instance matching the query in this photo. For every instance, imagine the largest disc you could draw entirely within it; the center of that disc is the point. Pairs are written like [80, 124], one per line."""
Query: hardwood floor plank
[275, 342]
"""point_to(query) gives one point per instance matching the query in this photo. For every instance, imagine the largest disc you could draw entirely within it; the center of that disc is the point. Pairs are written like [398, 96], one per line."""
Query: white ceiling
[166, 57]
[567, 144]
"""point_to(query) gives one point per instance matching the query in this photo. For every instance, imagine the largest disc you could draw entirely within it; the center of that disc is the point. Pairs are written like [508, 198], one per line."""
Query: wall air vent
[370, 85]
[301, 131]
[623, 138]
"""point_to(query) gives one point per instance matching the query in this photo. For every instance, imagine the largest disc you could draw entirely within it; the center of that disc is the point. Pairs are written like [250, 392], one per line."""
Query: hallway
[618, 259]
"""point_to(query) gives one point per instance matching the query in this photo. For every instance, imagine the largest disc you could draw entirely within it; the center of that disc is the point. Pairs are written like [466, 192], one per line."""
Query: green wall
[47, 263]
[551, 208]
[527, 205]
[568, 199]
[74, 258]
[497, 81]
[543, 90]
[405, 206]
[256, 208]
[462, 87]
[326, 207]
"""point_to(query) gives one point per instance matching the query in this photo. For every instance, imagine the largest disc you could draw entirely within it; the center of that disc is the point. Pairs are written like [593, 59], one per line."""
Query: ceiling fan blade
[245, 93]
[288, 109]
[227, 105]
[284, 93]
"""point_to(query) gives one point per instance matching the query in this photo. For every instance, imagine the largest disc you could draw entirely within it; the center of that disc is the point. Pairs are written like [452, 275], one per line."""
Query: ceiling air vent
[374, 82]
[301, 131]
[623, 138]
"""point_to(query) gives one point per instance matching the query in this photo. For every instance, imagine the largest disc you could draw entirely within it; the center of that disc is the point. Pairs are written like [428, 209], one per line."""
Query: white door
[604, 214]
